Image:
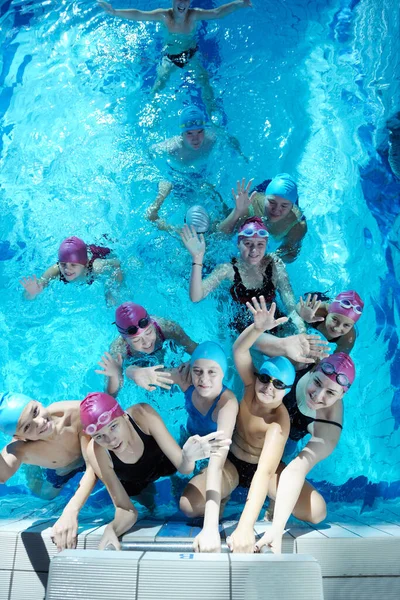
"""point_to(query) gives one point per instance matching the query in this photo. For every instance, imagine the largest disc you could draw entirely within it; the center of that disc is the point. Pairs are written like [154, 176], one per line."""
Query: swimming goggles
[196, 122]
[277, 383]
[328, 369]
[133, 329]
[250, 231]
[104, 419]
[347, 304]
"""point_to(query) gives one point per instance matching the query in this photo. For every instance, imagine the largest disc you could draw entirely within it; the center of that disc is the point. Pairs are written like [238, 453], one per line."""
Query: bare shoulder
[228, 397]
[17, 448]
[144, 415]
[59, 408]
[118, 346]
[103, 264]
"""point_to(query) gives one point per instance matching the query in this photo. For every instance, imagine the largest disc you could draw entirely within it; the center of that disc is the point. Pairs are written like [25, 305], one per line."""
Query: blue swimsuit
[198, 424]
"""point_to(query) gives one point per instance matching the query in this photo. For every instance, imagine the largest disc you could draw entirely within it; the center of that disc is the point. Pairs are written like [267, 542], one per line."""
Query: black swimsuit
[298, 422]
[181, 60]
[152, 465]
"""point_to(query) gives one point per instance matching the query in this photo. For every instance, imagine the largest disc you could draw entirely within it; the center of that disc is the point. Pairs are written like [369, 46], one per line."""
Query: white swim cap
[198, 217]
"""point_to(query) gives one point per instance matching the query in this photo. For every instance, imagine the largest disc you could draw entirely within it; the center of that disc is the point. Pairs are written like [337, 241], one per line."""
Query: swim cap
[339, 368]
[280, 368]
[191, 118]
[11, 407]
[253, 227]
[285, 186]
[198, 217]
[130, 316]
[97, 410]
[210, 351]
[73, 250]
[348, 304]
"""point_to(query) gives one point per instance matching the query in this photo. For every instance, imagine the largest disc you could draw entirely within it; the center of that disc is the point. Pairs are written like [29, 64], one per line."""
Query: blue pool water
[304, 89]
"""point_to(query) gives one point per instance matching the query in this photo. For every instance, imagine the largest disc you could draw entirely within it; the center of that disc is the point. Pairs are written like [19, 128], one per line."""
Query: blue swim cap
[11, 407]
[279, 367]
[192, 118]
[210, 351]
[285, 186]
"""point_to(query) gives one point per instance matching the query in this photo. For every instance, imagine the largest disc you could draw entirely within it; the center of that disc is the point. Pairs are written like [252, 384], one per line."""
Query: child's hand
[264, 319]
[111, 367]
[241, 196]
[149, 378]
[198, 447]
[32, 286]
[193, 242]
[308, 307]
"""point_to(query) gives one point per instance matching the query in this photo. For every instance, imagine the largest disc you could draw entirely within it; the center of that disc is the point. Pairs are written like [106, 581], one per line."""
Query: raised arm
[11, 458]
[324, 440]
[135, 15]
[65, 530]
[125, 512]
[164, 189]
[175, 332]
[208, 540]
[112, 369]
[291, 244]
[196, 247]
[263, 320]
[220, 11]
[242, 204]
[243, 538]
[34, 286]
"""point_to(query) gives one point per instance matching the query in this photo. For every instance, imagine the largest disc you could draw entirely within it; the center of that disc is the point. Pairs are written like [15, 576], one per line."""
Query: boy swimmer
[180, 44]
[335, 320]
[49, 437]
[142, 343]
[279, 206]
[77, 263]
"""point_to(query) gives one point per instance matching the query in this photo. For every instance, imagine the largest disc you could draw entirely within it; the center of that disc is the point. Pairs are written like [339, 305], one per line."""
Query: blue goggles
[195, 123]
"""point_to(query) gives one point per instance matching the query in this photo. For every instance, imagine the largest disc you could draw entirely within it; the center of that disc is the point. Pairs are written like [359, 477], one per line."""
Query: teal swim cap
[192, 118]
[11, 407]
[279, 367]
[285, 186]
[210, 351]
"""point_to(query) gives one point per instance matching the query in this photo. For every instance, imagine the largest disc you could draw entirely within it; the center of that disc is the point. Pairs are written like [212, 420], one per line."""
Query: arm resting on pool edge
[292, 480]
[243, 538]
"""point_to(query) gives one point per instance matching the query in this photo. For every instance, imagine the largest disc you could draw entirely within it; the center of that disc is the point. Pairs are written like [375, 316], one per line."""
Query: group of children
[295, 390]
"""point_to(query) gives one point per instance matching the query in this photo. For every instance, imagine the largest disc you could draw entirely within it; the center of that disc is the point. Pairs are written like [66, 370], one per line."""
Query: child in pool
[77, 262]
[315, 405]
[334, 320]
[130, 450]
[210, 407]
[181, 45]
[142, 345]
[48, 437]
[277, 202]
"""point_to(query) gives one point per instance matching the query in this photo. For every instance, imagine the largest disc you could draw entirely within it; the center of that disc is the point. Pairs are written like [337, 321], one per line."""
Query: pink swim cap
[130, 317]
[73, 250]
[348, 304]
[338, 367]
[253, 227]
[97, 410]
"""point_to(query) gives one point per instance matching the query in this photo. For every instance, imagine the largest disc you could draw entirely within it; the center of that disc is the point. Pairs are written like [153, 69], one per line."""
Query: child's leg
[164, 70]
[193, 499]
[203, 79]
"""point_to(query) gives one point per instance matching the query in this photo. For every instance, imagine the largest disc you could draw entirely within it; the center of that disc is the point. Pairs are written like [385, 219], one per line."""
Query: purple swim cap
[97, 410]
[338, 367]
[73, 250]
[130, 318]
[348, 304]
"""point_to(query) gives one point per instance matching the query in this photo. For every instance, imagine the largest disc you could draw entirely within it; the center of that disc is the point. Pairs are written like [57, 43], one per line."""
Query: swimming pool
[303, 90]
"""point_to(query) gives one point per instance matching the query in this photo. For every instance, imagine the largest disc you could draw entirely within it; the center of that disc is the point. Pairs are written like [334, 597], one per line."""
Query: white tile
[28, 585]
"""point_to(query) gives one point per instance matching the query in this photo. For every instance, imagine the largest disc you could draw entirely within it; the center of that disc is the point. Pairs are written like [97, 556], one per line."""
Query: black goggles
[328, 369]
[277, 383]
[133, 329]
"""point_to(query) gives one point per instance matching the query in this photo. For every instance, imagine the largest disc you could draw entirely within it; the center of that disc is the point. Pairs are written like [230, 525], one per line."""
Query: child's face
[194, 138]
[113, 436]
[267, 394]
[181, 6]
[337, 325]
[207, 377]
[321, 391]
[145, 341]
[35, 423]
[71, 271]
[252, 250]
[276, 207]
